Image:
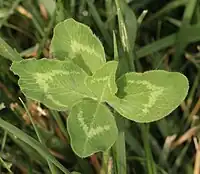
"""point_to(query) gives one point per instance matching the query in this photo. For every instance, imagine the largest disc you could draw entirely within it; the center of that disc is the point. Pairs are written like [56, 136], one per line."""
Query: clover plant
[78, 79]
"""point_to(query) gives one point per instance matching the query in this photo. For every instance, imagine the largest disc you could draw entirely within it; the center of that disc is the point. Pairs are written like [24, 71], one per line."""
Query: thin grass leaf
[99, 23]
[166, 9]
[50, 6]
[29, 151]
[116, 56]
[33, 143]
[124, 37]
[40, 138]
[181, 38]
[192, 36]
[7, 52]
[119, 148]
[10, 12]
[60, 11]
[151, 167]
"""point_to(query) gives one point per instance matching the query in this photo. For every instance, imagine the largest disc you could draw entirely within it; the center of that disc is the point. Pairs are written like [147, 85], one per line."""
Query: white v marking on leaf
[156, 91]
[91, 132]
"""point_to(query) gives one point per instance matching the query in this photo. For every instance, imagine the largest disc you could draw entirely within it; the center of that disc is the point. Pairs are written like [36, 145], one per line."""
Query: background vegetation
[168, 35]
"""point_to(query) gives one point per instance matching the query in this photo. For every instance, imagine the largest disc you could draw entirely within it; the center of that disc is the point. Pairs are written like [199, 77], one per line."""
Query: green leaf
[102, 83]
[57, 84]
[75, 40]
[149, 96]
[7, 52]
[91, 127]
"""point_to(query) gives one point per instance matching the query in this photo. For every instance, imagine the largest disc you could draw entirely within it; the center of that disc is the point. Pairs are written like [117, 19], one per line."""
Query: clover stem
[119, 148]
[105, 163]
[149, 159]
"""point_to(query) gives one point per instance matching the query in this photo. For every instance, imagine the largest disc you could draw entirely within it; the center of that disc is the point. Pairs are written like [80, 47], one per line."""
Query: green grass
[165, 36]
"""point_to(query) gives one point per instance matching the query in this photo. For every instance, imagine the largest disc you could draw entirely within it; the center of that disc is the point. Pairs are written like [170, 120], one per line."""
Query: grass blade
[124, 37]
[7, 52]
[172, 5]
[151, 168]
[192, 36]
[119, 149]
[11, 10]
[33, 143]
[51, 166]
[99, 23]
[181, 38]
[6, 165]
